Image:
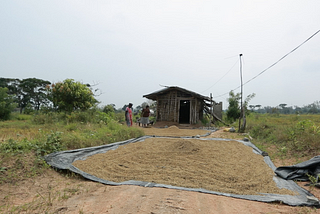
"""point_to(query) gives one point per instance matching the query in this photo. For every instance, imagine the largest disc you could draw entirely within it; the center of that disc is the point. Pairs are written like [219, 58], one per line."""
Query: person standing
[145, 116]
[128, 115]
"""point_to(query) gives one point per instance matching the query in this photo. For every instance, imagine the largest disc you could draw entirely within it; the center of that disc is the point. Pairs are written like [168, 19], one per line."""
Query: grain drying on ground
[174, 131]
[222, 166]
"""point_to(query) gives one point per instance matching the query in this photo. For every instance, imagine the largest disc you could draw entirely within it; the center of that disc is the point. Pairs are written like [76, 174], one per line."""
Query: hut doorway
[184, 112]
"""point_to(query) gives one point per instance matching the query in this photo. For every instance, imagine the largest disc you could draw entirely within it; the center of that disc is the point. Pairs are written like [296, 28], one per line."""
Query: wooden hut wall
[196, 110]
[168, 106]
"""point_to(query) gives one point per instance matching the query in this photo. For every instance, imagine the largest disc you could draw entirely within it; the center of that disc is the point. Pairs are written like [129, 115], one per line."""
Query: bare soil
[60, 192]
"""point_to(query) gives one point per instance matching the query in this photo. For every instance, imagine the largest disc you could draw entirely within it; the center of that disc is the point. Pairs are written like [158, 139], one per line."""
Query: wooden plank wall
[168, 106]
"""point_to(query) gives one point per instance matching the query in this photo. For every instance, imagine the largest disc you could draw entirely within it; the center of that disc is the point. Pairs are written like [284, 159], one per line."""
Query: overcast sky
[133, 48]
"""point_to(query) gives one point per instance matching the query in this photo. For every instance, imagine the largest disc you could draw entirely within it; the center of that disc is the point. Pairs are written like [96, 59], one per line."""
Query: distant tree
[144, 104]
[11, 84]
[258, 106]
[6, 104]
[27, 91]
[153, 107]
[274, 110]
[252, 107]
[247, 100]
[110, 108]
[70, 95]
[297, 110]
[234, 109]
[138, 108]
[283, 105]
[13, 88]
[124, 107]
[313, 108]
[33, 91]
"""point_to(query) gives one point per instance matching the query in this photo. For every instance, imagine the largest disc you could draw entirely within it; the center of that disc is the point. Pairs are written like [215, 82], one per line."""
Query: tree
[11, 84]
[70, 95]
[258, 106]
[139, 108]
[252, 107]
[283, 105]
[110, 108]
[30, 91]
[233, 111]
[13, 88]
[124, 107]
[6, 104]
[33, 91]
[234, 108]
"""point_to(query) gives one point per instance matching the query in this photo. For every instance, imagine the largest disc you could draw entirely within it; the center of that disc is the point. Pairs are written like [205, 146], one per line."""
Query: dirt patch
[222, 166]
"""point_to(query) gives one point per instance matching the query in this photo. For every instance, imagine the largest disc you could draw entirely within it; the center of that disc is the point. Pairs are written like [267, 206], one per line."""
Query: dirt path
[134, 199]
[56, 192]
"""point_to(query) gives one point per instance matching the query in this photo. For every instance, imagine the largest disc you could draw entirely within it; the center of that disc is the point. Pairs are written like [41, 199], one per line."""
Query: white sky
[130, 48]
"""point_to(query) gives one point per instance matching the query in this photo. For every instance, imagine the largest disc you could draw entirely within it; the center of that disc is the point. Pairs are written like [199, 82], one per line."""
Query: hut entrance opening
[184, 112]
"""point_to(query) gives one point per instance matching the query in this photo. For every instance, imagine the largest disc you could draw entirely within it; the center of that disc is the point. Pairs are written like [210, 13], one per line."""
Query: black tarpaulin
[64, 160]
[301, 170]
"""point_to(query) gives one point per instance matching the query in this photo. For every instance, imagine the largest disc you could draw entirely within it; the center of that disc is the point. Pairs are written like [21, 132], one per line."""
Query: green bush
[14, 146]
[17, 116]
[71, 127]
[70, 95]
[28, 109]
[304, 137]
[6, 104]
[52, 144]
[290, 134]
[119, 116]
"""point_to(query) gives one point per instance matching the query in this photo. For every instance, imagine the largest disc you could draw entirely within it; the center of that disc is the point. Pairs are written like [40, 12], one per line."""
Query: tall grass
[41, 134]
[291, 135]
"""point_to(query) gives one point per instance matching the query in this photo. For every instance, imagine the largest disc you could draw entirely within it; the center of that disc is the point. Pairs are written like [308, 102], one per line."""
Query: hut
[175, 104]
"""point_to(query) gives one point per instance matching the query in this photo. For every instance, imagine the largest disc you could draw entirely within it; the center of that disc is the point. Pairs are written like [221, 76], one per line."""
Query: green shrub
[23, 117]
[40, 147]
[71, 127]
[294, 135]
[73, 141]
[52, 144]
[304, 137]
[15, 146]
[28, 109]
[49, 118]
[119, 116]
[6, 104]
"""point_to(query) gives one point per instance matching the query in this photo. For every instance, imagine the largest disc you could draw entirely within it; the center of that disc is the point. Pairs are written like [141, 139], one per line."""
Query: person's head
[147, 106]
[130, 105]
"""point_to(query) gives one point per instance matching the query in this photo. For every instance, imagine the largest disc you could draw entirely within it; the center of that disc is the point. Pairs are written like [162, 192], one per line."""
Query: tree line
[313, 108]
[233, 112]
[36, 94]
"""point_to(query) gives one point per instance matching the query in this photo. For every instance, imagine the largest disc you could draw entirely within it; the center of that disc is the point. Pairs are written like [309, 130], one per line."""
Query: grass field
[25, 139]
[286, 136]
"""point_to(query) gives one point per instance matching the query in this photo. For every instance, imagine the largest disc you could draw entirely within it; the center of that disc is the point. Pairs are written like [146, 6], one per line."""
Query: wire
[221, 77]
[274, 63]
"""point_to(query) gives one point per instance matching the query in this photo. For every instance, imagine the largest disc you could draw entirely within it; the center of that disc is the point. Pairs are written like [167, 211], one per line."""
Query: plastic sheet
[64, 160]
[301, 171]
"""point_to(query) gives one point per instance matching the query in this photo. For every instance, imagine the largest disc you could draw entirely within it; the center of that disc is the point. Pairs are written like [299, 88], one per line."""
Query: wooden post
[242, 113]
[211, 115]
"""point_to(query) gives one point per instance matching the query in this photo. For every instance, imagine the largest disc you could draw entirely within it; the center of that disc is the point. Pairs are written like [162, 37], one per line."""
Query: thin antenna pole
[241, 105]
